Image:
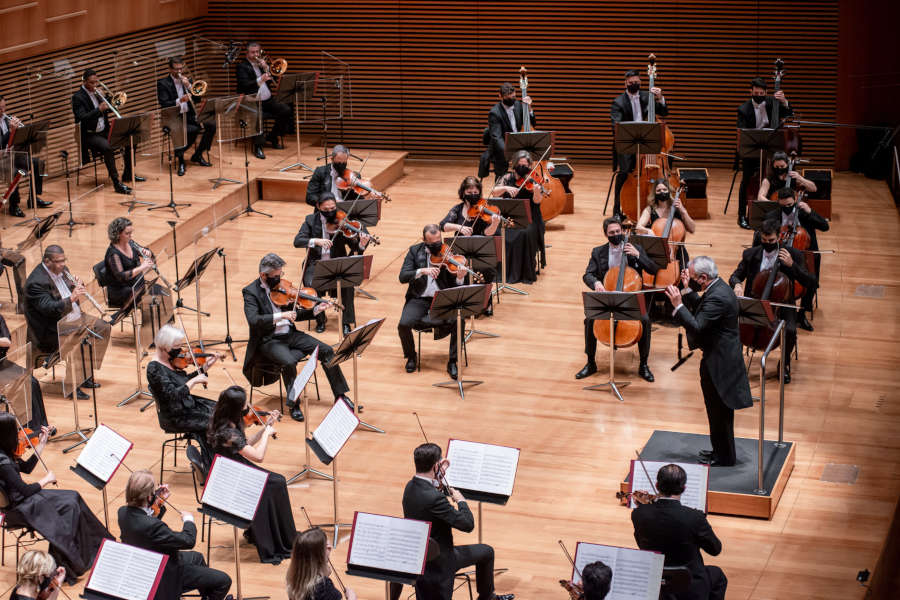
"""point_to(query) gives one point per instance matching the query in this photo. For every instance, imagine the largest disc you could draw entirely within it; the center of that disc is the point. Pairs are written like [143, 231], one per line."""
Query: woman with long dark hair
[523, 245]
[308, 574]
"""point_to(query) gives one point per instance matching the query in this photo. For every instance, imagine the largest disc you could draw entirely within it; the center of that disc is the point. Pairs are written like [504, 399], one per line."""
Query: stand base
[506, 286]
[610, 386]
[173, 206]
[248, 210]
[486, 334]
[459, 384]
[134, 395]
[308, 471]
[226, 342]
[362, 292]
[134, 202]
[80, 433]
[222, 181]
[294, 166]
[368, 427]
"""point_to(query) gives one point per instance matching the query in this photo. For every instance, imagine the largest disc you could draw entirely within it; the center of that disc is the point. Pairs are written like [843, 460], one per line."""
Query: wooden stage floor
[841, 407]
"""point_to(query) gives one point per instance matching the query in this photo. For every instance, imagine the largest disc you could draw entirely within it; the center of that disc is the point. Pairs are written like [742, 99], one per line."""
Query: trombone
[117, 99]
[278, 68]
[193, 88]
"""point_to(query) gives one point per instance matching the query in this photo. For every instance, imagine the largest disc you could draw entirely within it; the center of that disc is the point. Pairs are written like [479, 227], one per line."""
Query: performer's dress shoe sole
[646, 374]
[588, 370]
[452, 370]
[411, 365]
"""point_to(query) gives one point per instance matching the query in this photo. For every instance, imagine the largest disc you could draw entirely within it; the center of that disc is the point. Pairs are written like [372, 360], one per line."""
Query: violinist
[680, 533]
[175, 90]
[659, 203]
[275, 341]
[790, 261]
[523, 245]
[35, 573]
[603, 258]
[308, 574]
[253, 78]
[458, 222]
[596, 579]
[320, 235]
[60, 516]
[142, 525]
[125, 263]
[325, 178]
[506, 116]
[781, 177]
[10, 371]
[424, 281]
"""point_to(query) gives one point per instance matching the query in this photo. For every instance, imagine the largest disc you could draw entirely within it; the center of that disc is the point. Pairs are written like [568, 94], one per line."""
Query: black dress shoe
[504, 596]
[258, 153]
[586, 371]
[320, 326]
[452, 371]
[743, 223]
[129, 178]
[295, 412]
[411, 364]
[80, 395]
[53, 431]
[40, 203]
[276, 144]
[803, 322]
[90, 383]
[181, 168]
[346, 329]
[198, 159]
[15, 211]
[644, 372]
[787, 375]
[710, 459]
[121, 188]
[349, 402]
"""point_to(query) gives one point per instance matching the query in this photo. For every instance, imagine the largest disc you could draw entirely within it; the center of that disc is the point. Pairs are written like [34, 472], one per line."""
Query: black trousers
[286, 350]
[441, 587]
[348, 301]
[415, 316]
[282, 114]
[806, 302]
[195, 575]
[721, 420]
[790, 333]
[590, 341]
[750, 171]
[100, 145]
[206, 140]
[626, 164]
[498, 157]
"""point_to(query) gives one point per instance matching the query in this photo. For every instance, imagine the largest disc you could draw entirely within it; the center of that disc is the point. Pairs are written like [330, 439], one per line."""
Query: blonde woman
[35, 572]
[308, 574]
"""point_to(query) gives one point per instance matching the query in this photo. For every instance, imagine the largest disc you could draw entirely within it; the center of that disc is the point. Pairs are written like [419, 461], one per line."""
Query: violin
[455, 263]
[26, 439]
[255, 416]
[158, 500]
[194, 356]
[484, 211]
[351, 180]
[640, 497]
[576, 590]
[50, 584]
[621, 278]
[350, 229]
[529, 182]
[305, 297]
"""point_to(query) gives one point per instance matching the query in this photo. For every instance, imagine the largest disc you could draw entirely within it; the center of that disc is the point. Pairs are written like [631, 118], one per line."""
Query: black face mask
[434, 247]
[330, 215]
[662, 196]
[694, 285]
[787, 209]
[339, 168]
[780, 171]
[272, 281]
[508, 101]
[471, 198]
[633, 88]
[523, 170]
[616, 239]
[173, 353]
[769, 246]
[758, 99]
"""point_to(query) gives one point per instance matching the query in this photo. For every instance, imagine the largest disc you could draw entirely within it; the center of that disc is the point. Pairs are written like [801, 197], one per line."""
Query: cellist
[602, 259]
[659, 203]
[778, 178]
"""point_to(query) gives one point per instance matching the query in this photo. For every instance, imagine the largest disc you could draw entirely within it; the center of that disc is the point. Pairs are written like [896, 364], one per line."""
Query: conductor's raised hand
[674, 295]
[631, 250]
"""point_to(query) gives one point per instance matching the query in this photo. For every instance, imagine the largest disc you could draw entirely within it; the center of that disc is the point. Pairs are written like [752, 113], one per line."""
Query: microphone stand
[249, 208]
[228, 340]
[172, 205]
[72, 223]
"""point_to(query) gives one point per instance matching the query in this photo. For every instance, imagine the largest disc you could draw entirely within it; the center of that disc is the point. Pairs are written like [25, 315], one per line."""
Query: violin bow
[442, 479]
[191, 350]
[646, 473]
[569, 557]
[537, 165]
[333, 570]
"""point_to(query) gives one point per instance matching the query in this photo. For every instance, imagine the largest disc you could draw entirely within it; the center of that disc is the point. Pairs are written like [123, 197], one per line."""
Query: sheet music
[482, 467]
[126, 572]
[304, 376]
[389, 543]
[104, 452]
[694, 494]
[234, 487]
[336, 428]
[637, 574]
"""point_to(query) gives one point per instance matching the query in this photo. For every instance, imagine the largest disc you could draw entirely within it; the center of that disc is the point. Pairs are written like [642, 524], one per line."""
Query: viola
[638, 496]
[351, 180]
[349, 228]
[484, 211]
[200, 357]
[305, 297]
[621, 278]
[455, 263]
[25, 436]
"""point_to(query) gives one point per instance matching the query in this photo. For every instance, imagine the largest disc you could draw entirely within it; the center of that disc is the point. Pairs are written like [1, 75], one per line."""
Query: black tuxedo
[266, 349]
[810, 222]
[711, 324]
[495, 135]
[320, 182]
[20, 161]
[680, 533]
[87, 118]
[620, 111]
[596, 270]
[184, 570]
[746, 119]
[167, 95]
[423, 502]
[280, 112]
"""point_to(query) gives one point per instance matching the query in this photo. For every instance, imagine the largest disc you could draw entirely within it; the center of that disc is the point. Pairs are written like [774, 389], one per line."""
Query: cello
[774, 286]
[672, 231]
[621, 278]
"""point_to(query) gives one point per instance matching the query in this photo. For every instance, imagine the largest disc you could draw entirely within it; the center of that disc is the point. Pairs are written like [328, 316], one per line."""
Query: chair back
[101, 274]
[675, 580]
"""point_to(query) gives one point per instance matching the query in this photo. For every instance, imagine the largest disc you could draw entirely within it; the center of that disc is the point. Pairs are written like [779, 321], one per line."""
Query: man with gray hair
[711, 324]
[275, 344]
[325, 178]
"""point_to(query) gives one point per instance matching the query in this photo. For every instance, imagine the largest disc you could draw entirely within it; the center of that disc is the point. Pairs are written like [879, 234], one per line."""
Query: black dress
[457, 216]
[61, 516]
[272, 529]
[523, 244]
[179, 410]
[120, 269]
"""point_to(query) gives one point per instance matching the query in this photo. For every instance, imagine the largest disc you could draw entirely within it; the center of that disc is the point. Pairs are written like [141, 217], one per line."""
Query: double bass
[621, 278]
[673, 231]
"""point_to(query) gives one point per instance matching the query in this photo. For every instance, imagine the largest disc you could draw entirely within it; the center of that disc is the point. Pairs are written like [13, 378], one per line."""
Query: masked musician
[506, 116]
[308, 574]
[35, 572]
[324, 179]
[458, 222]
[175, 90]
[91, 110]
[603, 258]
[520, 254]
[253, 77]
[10, 372]
[632, 105]
[659, 204]
[20, 162]
[778, 178]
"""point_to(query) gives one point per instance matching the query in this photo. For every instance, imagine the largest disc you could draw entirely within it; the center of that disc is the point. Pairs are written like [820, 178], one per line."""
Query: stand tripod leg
[220, 179]
[459, 383]
[237, 570]
[362, 292]
[131, 204]
[496, 570]
[33, 191]
[472, 331]
[609, 190]
[172, 205]
[612, 386]
[307, 470]
[336, 526]
[249, 208]
[72, 223]
[80, 432]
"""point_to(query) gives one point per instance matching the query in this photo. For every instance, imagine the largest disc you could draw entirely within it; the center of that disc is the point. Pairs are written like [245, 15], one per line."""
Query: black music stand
[481, 253]
[331, 273]
[758, 211]
[122, 132]
[41, 229]
[638, 137]
[351, 347]
[622, 306]
[193, 275]
[34, 137]
[228, 341]
[365, 210]
[458, 303]
[754, 143]
[518, 210]
[654, 246]
[535, 142]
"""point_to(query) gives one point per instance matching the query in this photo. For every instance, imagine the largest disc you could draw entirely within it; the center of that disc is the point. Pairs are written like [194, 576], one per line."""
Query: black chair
[178, 438]
[17, 527]
[199, 471]
[675, 581]
[262, 375]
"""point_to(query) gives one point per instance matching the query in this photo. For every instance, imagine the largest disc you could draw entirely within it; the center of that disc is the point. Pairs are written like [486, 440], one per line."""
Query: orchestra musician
[174, 90]
[596, 579]
[506, 116]
[324, 178]
[631, 105]
[185, 569]
[308, 574]
[253, 77]
[779, 178]
[422, 500]
[274, 340]
[10, 257]
[20, 161]
[320, 236]
[523, 245]
[272, 529]
[10, 371]
[424, 281]
[659, 203]
[603, 258]
[711, 324]
[51, 295]
[91, 114]
[125, 262]
[791, 264]
[34, 573]
[457, 221]
[60, 516]
[756, 113]
[680, 532]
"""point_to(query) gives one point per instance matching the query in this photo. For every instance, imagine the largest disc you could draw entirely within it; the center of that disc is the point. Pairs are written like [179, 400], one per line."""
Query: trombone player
[178, 90]
[254, 77]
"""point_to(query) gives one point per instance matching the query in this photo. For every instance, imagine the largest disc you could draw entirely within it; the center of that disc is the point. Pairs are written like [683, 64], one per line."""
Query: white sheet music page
[234, 487]
[388, 543]
[637, 574]
[103, 453]
[695, 489]
[482, 467]
[336, 428]
[304, 376]
[126, 572]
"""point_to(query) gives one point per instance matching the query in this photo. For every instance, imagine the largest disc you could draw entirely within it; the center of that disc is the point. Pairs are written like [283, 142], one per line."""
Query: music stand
[76, 336]
[228, 341]
[759, 142]
[535, 142]
[41, 229]
[237, 118]
[638, 137]
[192, 276]
[758, 211]
[655, 247]
[300, 385]
[351, 347]
[481, 253]
[34, 137]
[518, 210]
[330, 273]
[365, 210]
[289, 87]
[622, 306]
[72, 223]
[122, 132]
[459, 302]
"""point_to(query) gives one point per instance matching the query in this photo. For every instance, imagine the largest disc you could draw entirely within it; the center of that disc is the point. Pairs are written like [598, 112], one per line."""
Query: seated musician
[20, 161]
[10, 371]
[253, 77]
[659, 203]
[49, 296]
[761, 259]
[92, 116]
[34, 574]
[276, 342]
[320, 236]
[521, 253]
[506, 116]
[308, 574]
[596, 579]
[424, 281]
[604, 258]
[632, 105]
[10, 257]
[125, 263]
[680, 533]
[756, 113]
[174, 90]
[324, 178]
[139, 526]
[778, 178]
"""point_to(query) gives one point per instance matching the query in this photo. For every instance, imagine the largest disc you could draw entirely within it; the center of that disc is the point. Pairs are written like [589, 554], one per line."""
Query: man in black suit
[506, 116]
[20, 162]
[711, 323]
[756, 113]
[324, 178]
[632, 105]
[596, 579]
[680, 533]
[323, 245]
[603, 258]
[50, 296]
[253, 77]
[424, 281]
[275, 341]
[423, 501]
[758, 258]
[91, 114]
[174, 90]
[185, 570]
